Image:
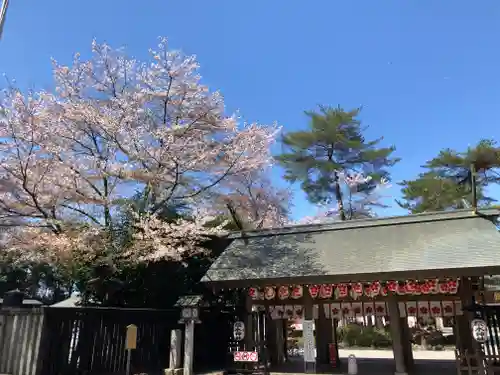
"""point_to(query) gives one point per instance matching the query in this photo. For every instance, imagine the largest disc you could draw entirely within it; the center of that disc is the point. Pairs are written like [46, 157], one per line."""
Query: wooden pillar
[271, 338]
[189, 347]
[280, 344]
[249, 329]
[397, 342]
[335, 326]
[463, 332]
[324, 336]
[406, 342]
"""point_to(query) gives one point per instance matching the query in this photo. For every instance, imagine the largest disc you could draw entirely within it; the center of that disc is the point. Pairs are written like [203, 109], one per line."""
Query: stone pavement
[377, 362]
[381, 362]
[443, 355]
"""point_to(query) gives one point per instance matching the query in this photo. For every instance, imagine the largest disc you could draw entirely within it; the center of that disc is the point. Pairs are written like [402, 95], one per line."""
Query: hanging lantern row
[356, 290]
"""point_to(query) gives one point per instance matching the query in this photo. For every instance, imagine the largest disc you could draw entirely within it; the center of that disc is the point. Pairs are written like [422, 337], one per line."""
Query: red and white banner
[336, 310]
[448, 308]
[245, 357]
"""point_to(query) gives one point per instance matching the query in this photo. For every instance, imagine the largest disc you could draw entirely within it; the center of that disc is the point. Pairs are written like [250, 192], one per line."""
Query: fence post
[174, 364]
[175, 348]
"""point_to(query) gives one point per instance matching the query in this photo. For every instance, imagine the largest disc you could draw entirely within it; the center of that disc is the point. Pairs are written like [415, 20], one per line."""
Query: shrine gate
[420, 265]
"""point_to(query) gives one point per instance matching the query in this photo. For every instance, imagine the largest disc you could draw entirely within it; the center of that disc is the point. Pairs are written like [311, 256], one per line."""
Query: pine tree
[332, 149]
[446, 183]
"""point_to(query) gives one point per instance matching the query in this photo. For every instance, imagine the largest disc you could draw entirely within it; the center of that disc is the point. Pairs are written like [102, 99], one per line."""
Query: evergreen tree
[446, 183]
[325, 156]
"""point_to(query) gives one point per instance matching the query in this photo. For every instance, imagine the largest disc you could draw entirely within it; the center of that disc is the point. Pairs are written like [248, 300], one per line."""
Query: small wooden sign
[131, 339]
[496, 296]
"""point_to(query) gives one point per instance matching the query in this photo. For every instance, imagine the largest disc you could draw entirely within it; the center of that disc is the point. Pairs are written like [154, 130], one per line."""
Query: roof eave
[333, 279]
[488, 213]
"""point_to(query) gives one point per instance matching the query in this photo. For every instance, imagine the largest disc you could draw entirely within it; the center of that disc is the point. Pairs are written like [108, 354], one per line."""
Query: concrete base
[400, 373]
[173, 371]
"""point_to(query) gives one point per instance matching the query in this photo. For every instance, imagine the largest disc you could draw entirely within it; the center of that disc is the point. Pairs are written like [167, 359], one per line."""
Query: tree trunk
[338, 197]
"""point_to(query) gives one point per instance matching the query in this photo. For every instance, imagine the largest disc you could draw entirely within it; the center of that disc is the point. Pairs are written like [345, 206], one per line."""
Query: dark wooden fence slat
[91, 341]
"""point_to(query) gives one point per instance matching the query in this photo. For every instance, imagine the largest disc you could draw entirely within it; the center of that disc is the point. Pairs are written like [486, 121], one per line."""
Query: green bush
[349, 334]
[382, 339]
[368, 337]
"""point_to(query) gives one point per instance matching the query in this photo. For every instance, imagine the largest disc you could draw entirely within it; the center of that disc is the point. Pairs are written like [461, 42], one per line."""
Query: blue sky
[427, 72]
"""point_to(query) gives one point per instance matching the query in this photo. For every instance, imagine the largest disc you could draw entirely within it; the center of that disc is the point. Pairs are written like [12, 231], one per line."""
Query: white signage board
[309, 341]
[245, 356]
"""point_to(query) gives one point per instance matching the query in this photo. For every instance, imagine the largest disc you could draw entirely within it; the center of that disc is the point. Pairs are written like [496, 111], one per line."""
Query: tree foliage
[127, 163]
[330, 156]
[446, 183]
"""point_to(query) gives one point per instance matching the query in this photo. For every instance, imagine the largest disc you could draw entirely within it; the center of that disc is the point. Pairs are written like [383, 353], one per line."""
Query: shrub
[435, 338]
[349, 334]
[382, 339]
[356, 335]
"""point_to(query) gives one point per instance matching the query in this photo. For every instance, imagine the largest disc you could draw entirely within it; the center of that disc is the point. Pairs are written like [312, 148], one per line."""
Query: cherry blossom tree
[253, 202]
[114, 126]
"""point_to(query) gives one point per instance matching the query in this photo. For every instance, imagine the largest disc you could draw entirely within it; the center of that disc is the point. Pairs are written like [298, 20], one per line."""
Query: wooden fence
[73, 341]
[92, 340]
[20, 335]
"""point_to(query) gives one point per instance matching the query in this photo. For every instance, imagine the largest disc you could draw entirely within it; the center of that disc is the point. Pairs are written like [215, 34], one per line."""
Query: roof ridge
[372, 222]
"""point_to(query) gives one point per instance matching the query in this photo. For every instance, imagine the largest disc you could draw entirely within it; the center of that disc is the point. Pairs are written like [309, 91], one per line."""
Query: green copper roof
[423, 245]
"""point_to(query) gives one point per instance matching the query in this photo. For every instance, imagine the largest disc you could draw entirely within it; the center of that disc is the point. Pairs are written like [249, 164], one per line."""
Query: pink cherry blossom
[114, 126]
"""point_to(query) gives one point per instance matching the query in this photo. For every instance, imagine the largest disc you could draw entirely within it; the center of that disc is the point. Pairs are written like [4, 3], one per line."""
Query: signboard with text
[245, 356]
[309, 342]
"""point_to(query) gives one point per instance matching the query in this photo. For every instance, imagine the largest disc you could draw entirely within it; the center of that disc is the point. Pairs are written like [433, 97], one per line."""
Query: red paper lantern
[314, 290]
[375, 287]
[342, 290]
[269, 292]
[357, 288]
[283, 292]
[453, 286]
[392, 286]
[443, 287]
[418, 289]
[253, 293]
[326, 291]
[297, 292]
[425, 289]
